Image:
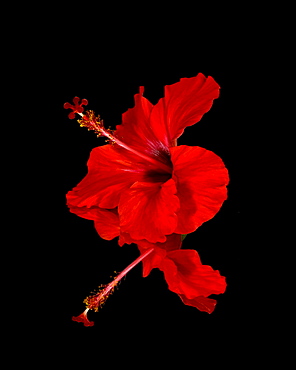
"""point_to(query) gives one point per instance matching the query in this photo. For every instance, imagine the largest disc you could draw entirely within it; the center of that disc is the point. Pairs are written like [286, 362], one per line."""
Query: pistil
[94, 302]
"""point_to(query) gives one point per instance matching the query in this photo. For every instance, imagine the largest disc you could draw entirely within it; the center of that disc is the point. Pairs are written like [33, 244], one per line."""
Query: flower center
[94, 302]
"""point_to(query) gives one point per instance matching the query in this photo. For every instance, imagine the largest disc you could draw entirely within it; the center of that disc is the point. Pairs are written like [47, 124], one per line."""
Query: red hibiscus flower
[146, 190]
[156, 187]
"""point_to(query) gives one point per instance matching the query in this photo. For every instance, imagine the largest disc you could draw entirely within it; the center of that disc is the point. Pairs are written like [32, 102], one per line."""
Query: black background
[143, 316]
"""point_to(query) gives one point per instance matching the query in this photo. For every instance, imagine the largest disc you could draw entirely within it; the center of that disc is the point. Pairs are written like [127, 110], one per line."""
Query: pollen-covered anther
[97, 300]
[91, 122]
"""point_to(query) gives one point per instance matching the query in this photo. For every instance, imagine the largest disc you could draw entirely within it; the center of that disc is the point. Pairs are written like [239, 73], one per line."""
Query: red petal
[184, 104]
[135, 130]
[109, 174]
[148, 210]
[125, 238]
[106, 221]
[201, 179]
[186, 275]
[201, 303]
[154, 259]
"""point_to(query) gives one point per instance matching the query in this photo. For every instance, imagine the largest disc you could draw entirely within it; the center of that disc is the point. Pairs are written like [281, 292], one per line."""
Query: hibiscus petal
[201, 303]
[148, 210]
[201, 179]
[106, 221]
[135, 130]
[110, 172]
[186, 275]
[107, 225]
[184, 104]
[154, 259]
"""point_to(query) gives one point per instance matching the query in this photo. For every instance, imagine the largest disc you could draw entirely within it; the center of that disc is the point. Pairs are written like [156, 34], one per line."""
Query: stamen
[94, 302]
[91, 122]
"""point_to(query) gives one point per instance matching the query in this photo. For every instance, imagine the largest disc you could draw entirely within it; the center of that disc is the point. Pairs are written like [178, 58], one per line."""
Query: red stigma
[83, 318]
[77, 107]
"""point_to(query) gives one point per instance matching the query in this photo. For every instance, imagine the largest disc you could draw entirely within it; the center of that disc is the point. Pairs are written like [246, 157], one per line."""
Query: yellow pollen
[99, 297]
[91, 122]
